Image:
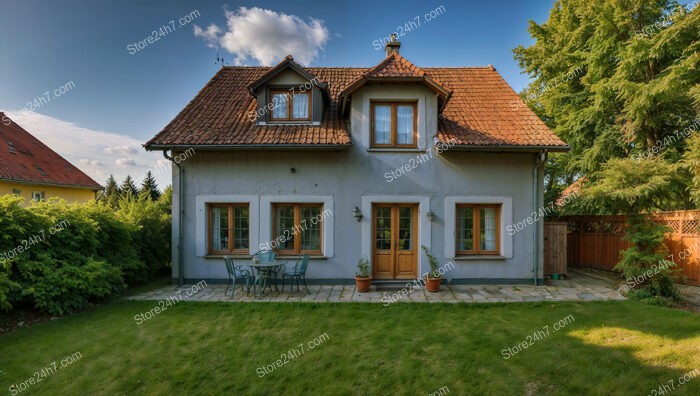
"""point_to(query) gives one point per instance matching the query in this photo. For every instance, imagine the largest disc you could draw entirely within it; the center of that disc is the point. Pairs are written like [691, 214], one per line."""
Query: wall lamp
[431, 216]
[357, 213]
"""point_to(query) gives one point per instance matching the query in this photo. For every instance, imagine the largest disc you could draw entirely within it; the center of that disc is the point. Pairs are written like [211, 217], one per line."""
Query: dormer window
[288, 105]
[394, 124]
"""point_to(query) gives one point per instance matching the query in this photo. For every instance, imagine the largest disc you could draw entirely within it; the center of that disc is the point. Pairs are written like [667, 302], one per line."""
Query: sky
[107, 90]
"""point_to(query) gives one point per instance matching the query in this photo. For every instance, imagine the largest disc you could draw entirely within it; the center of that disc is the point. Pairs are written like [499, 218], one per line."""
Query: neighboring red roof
[483, 110]
[23, 158]
[572, 189]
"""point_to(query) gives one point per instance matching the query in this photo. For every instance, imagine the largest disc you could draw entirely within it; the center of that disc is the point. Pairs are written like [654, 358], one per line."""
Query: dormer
[395, 105]
[288, 94]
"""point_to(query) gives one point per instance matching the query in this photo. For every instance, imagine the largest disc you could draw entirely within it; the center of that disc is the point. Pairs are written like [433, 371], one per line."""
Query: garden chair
[236, 273]
[298, 272]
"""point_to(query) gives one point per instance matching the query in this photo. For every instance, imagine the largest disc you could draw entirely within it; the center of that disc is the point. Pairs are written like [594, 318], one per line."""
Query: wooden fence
[596, 241]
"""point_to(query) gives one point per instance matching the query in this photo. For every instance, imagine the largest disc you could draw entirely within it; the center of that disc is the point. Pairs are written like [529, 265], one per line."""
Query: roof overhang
[505, 148]
[234, 147]
[443, 93]
[36, 183]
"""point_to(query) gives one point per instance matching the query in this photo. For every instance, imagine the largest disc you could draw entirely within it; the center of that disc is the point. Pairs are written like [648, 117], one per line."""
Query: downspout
[180, 199]
[539, 161]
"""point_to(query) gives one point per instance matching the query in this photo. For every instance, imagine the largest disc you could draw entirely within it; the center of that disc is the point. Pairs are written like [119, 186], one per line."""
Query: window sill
[221, 256]
[297, 257]
[480, 257]
[395, 150]
[249, 257]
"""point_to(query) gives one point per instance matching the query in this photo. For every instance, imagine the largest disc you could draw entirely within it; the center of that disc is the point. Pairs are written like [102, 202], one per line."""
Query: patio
[578, 287]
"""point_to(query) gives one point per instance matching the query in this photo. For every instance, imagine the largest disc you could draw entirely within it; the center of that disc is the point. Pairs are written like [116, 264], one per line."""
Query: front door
[394, 241]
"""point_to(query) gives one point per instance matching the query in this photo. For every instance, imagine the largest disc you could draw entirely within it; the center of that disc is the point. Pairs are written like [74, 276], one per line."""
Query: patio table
[268, 273]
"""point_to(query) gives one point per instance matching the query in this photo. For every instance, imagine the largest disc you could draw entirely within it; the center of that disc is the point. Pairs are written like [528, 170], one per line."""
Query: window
[477, 229]
[394, 124]
[229, 229]
[297, 228]
[38, 196]
[290, 106]
[16, 191]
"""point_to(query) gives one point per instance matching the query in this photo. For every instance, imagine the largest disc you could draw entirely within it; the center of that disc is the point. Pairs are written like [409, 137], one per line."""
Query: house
[32, 170]
[345, 162]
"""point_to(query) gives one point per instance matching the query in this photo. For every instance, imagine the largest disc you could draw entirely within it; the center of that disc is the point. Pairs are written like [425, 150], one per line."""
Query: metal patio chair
[236, 273]
[298, 273]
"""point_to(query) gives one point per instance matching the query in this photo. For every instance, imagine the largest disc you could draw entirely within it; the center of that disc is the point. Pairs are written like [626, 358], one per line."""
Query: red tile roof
[23, 158]
[483, 110]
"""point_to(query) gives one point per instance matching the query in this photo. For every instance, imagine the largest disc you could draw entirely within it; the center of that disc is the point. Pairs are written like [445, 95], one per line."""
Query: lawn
[404, 349]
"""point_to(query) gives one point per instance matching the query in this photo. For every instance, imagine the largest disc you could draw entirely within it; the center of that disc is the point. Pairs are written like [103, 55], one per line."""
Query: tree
[149, 187]
[111, 195]
[637, 188]
[128, 188]
[166, 200]
[691, 160]
[613, 79]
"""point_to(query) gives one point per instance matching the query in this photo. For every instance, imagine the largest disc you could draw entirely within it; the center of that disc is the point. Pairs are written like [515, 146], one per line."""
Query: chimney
[393, 45]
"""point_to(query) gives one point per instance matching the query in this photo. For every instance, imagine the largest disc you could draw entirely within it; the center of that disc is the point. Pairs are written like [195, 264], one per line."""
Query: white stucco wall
[343, 180]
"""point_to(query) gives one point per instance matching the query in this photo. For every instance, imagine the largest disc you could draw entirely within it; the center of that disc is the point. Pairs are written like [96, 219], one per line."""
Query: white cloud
[267, 36]
[210, 35]
[87, 162]
[90, 149]
[125, 162]
[126, 149]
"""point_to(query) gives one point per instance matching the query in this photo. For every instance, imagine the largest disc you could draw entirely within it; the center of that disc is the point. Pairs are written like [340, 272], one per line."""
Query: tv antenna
[219, 59]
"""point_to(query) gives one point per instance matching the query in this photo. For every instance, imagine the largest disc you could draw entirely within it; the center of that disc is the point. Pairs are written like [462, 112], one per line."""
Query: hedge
[59, 258]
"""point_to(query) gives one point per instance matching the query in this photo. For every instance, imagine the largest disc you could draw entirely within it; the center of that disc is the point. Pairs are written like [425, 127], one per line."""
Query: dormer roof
[396, 69]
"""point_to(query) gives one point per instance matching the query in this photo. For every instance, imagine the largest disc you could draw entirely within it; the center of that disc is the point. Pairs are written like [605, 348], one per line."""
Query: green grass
[404, 349]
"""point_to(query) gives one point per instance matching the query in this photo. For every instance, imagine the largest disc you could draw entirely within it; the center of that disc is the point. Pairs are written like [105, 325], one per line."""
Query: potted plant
[433, 279]
[363, 276]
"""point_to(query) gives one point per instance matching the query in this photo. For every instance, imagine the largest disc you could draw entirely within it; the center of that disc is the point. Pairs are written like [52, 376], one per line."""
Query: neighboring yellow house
[32, 170]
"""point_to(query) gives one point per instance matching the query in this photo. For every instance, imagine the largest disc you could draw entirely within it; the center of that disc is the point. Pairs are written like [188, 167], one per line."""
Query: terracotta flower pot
[433, 284]
[363, 284]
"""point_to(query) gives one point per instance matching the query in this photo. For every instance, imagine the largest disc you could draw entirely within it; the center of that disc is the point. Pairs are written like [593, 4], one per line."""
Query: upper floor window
[394, 124]
[290, 106]
[38, 196]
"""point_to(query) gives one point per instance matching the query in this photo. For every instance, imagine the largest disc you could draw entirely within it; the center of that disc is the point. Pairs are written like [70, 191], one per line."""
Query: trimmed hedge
[60, 258]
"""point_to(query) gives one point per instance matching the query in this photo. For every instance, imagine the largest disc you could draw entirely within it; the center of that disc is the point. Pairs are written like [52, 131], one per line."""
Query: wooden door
[394, 241]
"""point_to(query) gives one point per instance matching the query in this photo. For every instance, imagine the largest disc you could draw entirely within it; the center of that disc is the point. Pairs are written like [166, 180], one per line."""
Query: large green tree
[614, 79]
[149, 187]
[128, 188]
[111, 195]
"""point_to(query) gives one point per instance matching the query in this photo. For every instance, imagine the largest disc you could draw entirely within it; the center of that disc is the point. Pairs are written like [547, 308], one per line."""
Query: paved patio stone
[577, 287]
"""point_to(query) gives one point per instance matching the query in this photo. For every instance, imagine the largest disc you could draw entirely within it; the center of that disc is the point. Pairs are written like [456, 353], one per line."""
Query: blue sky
[122, 99]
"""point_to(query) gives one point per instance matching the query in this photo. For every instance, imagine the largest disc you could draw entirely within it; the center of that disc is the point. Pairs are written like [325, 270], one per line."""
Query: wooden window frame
[42, 196]
[290, 104]
[476, 226]
[231, 239]
[297, 223]
[394, 132]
